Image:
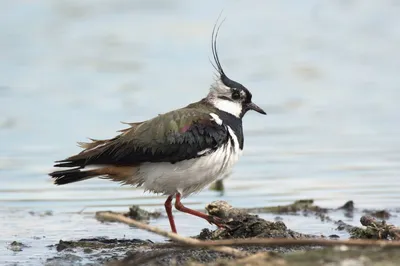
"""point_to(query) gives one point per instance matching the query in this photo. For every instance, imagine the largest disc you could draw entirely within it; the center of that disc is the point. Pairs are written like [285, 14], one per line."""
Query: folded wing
[179, 135]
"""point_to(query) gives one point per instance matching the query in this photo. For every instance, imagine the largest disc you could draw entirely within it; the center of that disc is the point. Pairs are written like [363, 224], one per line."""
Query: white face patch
[231, 107]
[218, 92]
[216, 118]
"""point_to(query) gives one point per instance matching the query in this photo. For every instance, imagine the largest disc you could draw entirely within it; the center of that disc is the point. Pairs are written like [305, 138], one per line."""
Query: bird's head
[226, 94]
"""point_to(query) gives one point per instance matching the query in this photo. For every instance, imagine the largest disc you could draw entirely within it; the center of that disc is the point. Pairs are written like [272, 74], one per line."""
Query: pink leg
[211, 219]
[168, 209]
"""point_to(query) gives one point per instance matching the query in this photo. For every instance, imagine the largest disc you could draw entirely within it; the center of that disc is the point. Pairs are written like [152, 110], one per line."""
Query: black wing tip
[66, 176]
[61, 173]
[63, 181]
[69, 176]
[59, 177]
[69, 163]
[64, 164]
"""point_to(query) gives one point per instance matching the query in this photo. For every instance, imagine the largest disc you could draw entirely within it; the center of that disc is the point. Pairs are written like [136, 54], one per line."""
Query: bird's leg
[211, 219]
[168, 209]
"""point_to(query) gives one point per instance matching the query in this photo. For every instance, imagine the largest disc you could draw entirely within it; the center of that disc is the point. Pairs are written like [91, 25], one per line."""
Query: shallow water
[326, 73]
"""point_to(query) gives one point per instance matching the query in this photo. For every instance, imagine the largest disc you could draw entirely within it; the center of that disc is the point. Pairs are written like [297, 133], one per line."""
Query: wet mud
[240, 223]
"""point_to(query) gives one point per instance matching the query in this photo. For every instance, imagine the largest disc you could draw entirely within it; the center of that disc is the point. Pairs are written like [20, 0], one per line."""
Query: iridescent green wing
[175, 136]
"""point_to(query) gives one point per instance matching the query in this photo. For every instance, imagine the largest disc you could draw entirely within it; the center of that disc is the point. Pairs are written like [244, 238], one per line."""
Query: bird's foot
[218, 222]
[209, 218]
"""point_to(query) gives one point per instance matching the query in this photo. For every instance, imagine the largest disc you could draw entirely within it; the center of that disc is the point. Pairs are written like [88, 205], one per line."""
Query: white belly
[189, 176]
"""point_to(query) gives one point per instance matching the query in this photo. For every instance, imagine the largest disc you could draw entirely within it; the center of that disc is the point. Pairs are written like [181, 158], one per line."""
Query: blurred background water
[326, 72]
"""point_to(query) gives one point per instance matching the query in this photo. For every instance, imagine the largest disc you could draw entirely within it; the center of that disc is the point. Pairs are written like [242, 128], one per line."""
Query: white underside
[189, 176]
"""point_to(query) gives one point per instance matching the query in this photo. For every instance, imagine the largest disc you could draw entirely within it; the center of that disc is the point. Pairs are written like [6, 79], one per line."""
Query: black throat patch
[235, 123]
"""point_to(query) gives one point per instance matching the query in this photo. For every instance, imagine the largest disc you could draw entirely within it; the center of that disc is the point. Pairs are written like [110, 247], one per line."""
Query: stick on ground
[249, 241]
[178, 238]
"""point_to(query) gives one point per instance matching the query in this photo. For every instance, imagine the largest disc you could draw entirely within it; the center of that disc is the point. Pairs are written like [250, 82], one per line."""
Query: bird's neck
[234, 123]
[228, 119]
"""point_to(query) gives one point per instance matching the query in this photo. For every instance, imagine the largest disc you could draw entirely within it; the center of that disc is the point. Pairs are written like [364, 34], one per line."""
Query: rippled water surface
[325, 72]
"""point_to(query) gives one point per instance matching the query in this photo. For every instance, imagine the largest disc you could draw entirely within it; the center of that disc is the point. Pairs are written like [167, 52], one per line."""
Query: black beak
[255, 107]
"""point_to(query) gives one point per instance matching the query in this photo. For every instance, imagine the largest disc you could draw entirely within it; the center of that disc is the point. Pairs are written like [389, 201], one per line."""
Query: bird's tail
[73, 175]
[124, 174]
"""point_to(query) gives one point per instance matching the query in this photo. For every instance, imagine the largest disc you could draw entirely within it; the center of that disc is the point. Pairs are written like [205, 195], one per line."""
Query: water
[325, 72]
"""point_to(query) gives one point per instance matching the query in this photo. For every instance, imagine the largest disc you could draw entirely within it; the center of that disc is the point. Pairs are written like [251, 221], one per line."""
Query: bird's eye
[235, 95]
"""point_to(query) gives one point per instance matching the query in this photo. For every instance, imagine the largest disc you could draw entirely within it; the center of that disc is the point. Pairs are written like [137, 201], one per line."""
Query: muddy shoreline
[241, 223]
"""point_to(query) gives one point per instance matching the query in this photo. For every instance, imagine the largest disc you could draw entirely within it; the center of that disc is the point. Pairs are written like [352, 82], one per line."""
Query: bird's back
[183, 134]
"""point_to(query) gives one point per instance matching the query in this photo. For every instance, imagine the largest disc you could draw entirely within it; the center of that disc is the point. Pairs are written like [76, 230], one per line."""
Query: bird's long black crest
[214, 38]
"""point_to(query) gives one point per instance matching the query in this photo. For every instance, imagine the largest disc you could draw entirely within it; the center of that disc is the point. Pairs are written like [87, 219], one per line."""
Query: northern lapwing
[176, 153]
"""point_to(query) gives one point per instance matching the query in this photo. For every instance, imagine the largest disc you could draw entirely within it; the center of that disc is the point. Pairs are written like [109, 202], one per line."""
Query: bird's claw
[218, 222]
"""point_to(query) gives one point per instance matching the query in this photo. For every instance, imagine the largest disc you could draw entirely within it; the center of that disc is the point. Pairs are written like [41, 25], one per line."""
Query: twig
[222, 245]
[301, 242]
[173, 236]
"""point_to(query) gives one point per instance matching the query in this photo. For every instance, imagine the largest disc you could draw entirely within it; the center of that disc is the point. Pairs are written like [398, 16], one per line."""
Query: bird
[176, 153]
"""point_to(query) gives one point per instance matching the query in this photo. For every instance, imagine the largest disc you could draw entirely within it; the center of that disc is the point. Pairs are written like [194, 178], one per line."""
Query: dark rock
[241, 224]
[16, 246]
[348, 206]
[381, 214]
[135, 212]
